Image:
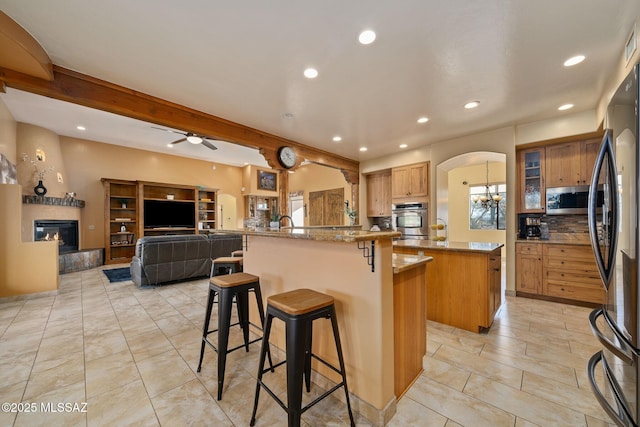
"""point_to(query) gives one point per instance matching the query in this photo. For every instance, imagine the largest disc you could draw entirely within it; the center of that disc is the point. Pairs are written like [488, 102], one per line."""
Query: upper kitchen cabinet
[531, 174]
[571, 163]
[410, 181]
[379, 194]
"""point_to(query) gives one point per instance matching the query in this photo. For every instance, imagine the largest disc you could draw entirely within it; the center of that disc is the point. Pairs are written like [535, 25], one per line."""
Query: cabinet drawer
[571, 265]
[594, 294]
[578, 252]
[560, 277]
[528, 248]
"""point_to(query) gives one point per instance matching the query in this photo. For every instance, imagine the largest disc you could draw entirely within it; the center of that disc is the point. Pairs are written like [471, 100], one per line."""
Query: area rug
[118, 274]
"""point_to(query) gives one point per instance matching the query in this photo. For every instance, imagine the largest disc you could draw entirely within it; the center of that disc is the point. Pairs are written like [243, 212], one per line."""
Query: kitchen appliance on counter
[613, 230]
[570, 200]
[411, 219]
[529, 227]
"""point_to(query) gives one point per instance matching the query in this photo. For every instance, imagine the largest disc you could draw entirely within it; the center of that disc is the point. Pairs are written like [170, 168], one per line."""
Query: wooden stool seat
[237, 253]
[233, 279]
[300, 301]
[225, 265]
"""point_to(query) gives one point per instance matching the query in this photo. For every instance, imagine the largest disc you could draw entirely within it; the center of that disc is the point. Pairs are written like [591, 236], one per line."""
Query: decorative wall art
[8, 173]
[267, 181]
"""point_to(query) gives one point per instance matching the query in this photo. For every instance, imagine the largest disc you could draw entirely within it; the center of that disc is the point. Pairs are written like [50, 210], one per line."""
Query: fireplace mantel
[52, 201]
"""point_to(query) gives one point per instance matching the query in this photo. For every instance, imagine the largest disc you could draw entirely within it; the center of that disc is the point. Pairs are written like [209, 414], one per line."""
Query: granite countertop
[321, 234]
[562, 238]
[404, 262]
[448, 246]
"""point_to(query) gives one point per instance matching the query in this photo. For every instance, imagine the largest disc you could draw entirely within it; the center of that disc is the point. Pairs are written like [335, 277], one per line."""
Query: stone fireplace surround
[60, 209]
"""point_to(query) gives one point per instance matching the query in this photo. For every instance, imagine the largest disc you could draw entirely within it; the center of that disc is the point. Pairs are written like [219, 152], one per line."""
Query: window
[490, 215]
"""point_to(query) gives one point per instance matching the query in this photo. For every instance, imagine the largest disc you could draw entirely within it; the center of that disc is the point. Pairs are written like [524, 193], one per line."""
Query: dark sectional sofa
[164, 259]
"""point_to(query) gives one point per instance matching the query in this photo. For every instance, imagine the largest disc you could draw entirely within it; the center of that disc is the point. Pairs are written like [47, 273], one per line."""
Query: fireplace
[65, 232]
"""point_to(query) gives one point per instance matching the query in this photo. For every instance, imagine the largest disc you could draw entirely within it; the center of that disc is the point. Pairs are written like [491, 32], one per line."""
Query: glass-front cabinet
[532, 186]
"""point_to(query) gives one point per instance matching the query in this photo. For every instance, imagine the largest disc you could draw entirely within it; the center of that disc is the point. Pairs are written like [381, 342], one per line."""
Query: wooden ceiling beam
[81, 89]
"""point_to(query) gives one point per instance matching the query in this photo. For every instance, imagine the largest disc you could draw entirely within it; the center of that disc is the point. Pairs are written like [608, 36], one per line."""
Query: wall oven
[411, 219]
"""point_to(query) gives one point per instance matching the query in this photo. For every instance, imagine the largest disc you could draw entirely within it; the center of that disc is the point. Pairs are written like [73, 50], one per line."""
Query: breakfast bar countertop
[448, 246]
[404, 262]
[320, 234]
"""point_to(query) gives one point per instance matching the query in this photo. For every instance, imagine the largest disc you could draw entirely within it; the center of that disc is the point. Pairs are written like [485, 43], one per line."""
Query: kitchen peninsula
[464, 281]
[358, 269]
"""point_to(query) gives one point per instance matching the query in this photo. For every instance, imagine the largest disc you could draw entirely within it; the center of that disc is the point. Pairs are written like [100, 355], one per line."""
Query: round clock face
[287, 157]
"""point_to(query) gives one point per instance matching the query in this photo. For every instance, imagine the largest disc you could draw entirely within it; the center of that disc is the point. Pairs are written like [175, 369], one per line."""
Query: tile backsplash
[566, 224]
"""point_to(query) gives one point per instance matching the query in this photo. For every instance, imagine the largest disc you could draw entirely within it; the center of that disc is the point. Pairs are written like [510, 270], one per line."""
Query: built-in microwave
[570, 200]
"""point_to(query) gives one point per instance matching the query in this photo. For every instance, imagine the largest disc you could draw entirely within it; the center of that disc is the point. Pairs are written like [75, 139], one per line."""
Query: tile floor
[132, 354]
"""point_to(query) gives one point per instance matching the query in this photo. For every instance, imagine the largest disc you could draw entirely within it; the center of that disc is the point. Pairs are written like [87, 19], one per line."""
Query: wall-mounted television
[169, 213]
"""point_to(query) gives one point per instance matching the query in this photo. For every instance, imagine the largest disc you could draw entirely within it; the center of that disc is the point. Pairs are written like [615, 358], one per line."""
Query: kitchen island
[357, 269]
[464, 281]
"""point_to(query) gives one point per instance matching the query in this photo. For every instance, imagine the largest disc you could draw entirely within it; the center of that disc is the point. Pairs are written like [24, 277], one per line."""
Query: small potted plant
[351, 213]
[123, 203]
[275, 220]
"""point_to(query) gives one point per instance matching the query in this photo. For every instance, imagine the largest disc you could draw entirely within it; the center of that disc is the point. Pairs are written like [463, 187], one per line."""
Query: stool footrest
[231, 349]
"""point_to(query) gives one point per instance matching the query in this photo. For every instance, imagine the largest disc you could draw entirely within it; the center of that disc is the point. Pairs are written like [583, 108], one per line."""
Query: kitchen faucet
[288, 217]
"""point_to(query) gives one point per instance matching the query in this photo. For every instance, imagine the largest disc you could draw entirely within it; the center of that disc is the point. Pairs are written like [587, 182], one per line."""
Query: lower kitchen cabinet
[558, 271]
[529, 268]
[463, 286]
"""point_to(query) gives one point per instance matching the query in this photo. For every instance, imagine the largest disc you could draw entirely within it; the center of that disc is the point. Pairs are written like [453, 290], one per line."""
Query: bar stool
[229, 264]
[227, 287]
[237, 253]
[298, 309]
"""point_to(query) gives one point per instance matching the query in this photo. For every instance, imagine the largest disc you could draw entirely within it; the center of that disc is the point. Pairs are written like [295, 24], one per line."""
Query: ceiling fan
[190, 137]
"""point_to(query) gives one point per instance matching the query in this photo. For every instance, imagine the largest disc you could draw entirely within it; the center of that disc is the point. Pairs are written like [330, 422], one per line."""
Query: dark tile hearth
[80, 260]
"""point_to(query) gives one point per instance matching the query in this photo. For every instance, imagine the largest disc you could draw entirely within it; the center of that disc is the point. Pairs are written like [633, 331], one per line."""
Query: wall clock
[287, 157]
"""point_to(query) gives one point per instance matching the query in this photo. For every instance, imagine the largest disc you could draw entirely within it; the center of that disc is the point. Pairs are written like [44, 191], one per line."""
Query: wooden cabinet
[410, 181]
[529, 268]
[570, 272]
[259, 209]
[588, 155]
[463, 287]
[531, 180]
[120, 220]
[557, 271]
[166, 209]
[379, 194]
[207, 202]
[571, 163]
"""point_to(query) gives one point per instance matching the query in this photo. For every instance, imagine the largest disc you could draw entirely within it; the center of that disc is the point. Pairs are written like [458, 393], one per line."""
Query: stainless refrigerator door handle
[621, 417]
[605, 159]
[623, 351]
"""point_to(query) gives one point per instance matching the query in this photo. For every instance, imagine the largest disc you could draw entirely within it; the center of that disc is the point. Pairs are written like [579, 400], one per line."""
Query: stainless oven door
[412, 223]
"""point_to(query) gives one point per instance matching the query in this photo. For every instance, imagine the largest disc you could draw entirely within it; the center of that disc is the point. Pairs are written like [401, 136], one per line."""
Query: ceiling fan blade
[169, 130]
[209, 145]
[178, 141]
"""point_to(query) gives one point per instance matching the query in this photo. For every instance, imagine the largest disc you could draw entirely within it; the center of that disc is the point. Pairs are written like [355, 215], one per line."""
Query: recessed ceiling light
[565, 107]
[423, 119]
[170, 145]
[287, 116]
[311, 73]
[472, 104]
[363, 148]
[367, 37]
[80, 127]
[574, 60]
[337, 138]
[403, 145]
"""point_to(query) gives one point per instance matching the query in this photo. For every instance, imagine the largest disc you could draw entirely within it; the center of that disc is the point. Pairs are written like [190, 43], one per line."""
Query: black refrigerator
[613, 371]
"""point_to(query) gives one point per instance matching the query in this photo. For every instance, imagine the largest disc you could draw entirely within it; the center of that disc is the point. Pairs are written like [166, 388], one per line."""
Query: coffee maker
[530, 228]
